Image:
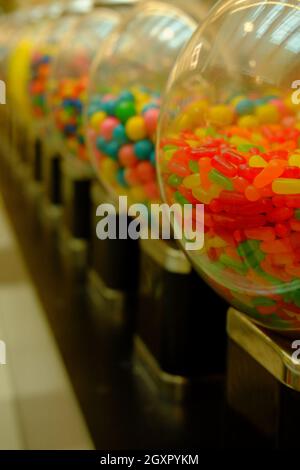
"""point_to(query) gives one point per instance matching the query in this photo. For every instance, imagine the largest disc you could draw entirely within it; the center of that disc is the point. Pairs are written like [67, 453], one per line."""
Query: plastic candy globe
[229, 139]
[125, 96]
[69, 79]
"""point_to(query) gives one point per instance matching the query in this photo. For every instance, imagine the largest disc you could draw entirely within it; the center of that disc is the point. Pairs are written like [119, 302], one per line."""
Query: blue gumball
[143, 149]
[126, 96]
[119, 134]
[112, 149]
[121, 177]
[245, 106]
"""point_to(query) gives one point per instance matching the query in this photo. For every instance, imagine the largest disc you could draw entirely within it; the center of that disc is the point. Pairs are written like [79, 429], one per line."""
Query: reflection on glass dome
[125, 95]
[230, 139]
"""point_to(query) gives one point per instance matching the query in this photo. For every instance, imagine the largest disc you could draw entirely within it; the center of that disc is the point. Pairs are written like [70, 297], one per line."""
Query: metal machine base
[172, 387]
[76, 184]
[110, 302]
[179, 342]
[74, 250]
[263, 380]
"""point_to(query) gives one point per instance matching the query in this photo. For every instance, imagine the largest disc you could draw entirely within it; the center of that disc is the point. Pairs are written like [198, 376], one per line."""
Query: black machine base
[180, 321]
[263, 380]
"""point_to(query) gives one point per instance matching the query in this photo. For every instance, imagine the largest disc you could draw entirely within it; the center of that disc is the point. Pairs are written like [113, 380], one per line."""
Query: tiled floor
[38, 408]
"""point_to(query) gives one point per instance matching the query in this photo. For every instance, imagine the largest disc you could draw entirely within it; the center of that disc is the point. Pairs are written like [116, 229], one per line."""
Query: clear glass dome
[18, 66]
[70, 78]
[125, 94]
[41, 62]
[229, 138]
[6, 36]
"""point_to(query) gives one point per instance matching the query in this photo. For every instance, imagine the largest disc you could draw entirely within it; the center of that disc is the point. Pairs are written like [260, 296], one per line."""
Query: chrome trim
[168, 256]
[271, 351]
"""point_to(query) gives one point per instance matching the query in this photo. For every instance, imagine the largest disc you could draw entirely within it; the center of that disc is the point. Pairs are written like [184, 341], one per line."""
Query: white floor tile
[41, 410]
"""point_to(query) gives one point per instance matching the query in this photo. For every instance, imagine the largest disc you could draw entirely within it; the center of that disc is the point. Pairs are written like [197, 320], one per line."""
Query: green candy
[231, 263]
[193, 166]
[216, 177]
[180, 198]
[263, 302]
[296, 297]
[254, 260]
[125, 110]
[169, 147]
[248, 247]
[174, 180]
[288, 297]
[297, 214]
[211, 131]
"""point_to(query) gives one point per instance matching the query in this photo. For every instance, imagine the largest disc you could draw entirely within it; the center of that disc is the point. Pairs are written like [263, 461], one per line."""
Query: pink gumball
[127, 156]
[280, 105]
[107, 127]
[108, 97]
[151, 120]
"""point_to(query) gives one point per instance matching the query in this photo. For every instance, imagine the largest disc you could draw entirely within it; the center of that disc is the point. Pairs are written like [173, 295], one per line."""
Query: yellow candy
[64, 117]
[257, 138]
[221, 115]
[290, 104]
[191, 181]
[216, 242]
[267, 114]
[184, 121]
[168, 154]
[200, 132]
[248, 121]
[193, 143]
[135, 128]
[97, 119]
[286, 186]
[294, 160]
[207, 196]
[141, 104]
[237, 99]
[256, 161]
[236, 140]
[108, 169]
[137, 194]
[197, 110]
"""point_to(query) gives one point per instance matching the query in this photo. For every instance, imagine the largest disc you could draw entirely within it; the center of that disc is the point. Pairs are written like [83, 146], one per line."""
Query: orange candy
[274, 169]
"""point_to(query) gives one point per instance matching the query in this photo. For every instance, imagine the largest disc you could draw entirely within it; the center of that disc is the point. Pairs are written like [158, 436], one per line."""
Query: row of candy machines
[186, 103]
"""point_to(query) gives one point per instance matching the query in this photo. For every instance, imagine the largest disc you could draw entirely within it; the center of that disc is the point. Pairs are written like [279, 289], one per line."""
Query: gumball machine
[44, 147]
[18, 66]
[41, 61]
[6, 28]
[124, 102]
[36, 23]
[229, 140]
[67, 96]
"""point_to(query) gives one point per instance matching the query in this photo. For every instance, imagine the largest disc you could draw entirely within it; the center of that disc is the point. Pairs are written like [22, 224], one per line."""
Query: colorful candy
[67, 99]
[241, 159]
[38, 84]
[123, 128]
